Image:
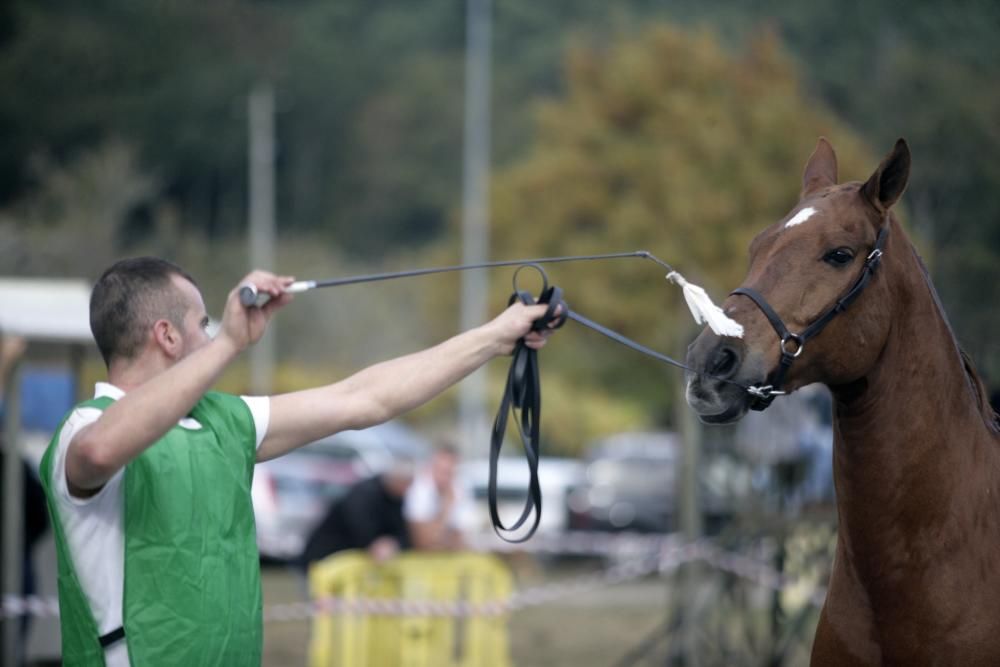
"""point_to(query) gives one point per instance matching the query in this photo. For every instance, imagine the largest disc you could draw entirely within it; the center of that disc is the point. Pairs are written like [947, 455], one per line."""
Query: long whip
[699, 303]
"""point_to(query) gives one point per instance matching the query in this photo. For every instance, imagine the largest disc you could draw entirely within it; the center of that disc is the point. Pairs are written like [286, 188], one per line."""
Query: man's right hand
[243, 326]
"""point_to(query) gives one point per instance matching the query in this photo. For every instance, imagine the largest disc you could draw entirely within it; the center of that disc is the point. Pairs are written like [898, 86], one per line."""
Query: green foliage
[685, 152]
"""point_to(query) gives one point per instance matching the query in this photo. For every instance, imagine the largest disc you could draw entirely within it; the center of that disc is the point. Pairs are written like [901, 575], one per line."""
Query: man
[438, 508]
[148, 484]
[369, 516]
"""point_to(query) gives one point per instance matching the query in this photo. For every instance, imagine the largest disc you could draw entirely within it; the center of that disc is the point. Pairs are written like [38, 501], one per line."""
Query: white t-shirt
[93, 526]
[423, 503]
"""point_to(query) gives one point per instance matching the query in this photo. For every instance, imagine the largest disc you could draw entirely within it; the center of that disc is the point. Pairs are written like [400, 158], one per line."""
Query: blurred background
[323, 139]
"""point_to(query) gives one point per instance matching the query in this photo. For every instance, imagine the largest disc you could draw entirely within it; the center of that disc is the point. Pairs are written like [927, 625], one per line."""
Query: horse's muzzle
[713, 383]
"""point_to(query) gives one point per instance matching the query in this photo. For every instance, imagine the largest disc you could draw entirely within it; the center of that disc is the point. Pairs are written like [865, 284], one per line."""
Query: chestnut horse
[916, 575]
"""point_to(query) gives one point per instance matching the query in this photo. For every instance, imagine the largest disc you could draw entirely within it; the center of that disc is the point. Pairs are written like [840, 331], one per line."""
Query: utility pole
[260, 108]
[475, 210]
[690, 523]
[13, 514]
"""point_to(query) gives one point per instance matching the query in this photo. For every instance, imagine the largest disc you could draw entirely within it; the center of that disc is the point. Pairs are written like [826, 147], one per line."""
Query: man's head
[444, 466]
[398, 477]
[146, 301]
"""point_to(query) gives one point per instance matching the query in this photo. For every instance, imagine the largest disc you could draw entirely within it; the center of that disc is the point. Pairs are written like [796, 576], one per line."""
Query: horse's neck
[910, 440]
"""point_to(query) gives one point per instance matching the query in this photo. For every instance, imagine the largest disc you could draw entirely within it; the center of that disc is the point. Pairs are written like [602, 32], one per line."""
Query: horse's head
[800, 268]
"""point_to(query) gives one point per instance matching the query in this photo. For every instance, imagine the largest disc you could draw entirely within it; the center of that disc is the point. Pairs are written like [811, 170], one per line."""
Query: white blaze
[801, 217]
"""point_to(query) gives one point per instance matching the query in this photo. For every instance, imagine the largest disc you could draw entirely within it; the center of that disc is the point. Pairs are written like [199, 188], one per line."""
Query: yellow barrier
[357, 639]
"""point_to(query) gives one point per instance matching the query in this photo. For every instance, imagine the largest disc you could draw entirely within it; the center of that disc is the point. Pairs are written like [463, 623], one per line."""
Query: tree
[666, 142]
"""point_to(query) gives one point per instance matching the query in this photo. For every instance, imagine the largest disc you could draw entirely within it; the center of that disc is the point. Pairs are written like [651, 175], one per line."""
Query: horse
[916, 458]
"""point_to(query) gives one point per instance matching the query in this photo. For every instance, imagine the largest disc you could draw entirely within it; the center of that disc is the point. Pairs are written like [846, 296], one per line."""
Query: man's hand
[383, 549]
[516, 322]
[244, 326]
[11, 349]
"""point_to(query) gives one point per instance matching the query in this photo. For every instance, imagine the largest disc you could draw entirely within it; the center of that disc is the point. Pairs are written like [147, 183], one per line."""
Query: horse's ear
[886, 185]
[821, 169]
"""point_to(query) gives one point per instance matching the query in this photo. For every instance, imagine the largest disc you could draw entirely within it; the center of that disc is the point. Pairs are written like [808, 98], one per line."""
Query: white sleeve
[420, 503]
[94, 531]
[465, 515]
[260, 408]
[80, 418]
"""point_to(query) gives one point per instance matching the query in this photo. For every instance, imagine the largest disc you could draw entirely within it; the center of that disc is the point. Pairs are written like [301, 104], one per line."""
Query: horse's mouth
[732, 414]
[716, 405]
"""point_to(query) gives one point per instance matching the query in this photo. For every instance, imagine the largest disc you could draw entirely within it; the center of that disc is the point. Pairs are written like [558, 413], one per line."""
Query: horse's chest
[938, 617]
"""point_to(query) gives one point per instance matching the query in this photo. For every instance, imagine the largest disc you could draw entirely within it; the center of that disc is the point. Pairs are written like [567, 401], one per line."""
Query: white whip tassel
[704, 311]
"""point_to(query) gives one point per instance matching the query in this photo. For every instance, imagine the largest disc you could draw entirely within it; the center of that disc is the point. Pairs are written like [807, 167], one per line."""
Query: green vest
[192, 577]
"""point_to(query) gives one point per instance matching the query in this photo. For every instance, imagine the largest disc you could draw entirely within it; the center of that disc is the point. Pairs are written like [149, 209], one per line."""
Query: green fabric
[76, 621]
[192, 577]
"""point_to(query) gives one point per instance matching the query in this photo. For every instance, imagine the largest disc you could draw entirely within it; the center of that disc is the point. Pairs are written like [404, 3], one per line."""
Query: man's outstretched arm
[391, 388]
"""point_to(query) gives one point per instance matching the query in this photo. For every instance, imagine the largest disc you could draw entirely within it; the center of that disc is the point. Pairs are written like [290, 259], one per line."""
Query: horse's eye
[839, 257]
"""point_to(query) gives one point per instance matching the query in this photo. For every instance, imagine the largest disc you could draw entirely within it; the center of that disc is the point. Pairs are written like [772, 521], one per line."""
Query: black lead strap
[523, 396]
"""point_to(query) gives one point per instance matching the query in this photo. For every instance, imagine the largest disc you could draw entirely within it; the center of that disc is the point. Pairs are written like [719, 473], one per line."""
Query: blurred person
[369, 516]
[11, 350]
[148, 484]
[35, 520]
[438, 506]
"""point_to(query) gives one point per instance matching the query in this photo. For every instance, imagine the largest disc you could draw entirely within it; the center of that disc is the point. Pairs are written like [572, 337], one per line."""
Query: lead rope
[523, 396]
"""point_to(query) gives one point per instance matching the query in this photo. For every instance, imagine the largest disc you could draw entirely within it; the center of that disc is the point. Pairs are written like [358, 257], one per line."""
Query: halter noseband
[763, 395]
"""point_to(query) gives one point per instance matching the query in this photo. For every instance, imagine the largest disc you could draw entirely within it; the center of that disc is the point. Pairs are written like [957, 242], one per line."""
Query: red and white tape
[662, 554]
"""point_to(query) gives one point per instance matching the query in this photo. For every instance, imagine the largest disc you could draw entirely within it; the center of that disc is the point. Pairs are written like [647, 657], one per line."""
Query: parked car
[556, 476]
[631, 485]
[291, 494]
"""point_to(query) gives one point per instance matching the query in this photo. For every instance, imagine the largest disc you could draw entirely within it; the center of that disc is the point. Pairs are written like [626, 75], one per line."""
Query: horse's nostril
[724, 362]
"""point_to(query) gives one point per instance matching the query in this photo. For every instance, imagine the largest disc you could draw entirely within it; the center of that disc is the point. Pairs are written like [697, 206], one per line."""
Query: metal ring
[536, 267]
[798, 342]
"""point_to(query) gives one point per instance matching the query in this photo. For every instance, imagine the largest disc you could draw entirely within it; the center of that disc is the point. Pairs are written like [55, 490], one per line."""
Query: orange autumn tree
[663, 141]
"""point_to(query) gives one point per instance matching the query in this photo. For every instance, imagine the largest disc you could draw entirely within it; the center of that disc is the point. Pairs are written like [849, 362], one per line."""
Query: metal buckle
[798, 341]
[874, 255]
[765, 392]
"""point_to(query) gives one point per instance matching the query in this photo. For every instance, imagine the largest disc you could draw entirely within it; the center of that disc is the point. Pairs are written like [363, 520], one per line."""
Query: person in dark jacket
[369, 516]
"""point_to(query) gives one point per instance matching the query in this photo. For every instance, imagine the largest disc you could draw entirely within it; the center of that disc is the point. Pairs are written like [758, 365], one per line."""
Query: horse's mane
[976, 384]
[982, 396]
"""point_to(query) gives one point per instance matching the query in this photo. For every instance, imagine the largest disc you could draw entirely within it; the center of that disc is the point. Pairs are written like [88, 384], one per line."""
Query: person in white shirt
[438, 507]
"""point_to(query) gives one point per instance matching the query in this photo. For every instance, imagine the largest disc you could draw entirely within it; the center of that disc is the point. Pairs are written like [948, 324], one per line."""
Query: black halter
[764, 394]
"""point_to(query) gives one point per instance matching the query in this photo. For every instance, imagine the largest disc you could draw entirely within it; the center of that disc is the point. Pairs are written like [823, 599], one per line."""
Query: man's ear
[167, 338]
[886, 185]
[821, 168]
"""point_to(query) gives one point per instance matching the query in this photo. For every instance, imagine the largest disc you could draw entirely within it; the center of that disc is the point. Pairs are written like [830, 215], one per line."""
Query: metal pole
[260, 107]
[13, 512]
[690, 520]
[475, 209]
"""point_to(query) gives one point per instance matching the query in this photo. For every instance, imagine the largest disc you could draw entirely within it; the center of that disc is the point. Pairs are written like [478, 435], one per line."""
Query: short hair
[128, 298]
[402, 466]
[446, 448]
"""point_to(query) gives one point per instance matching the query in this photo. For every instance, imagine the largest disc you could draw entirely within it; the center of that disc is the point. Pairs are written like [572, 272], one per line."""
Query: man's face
[443, 466]
[194, 329]
[397, 484]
